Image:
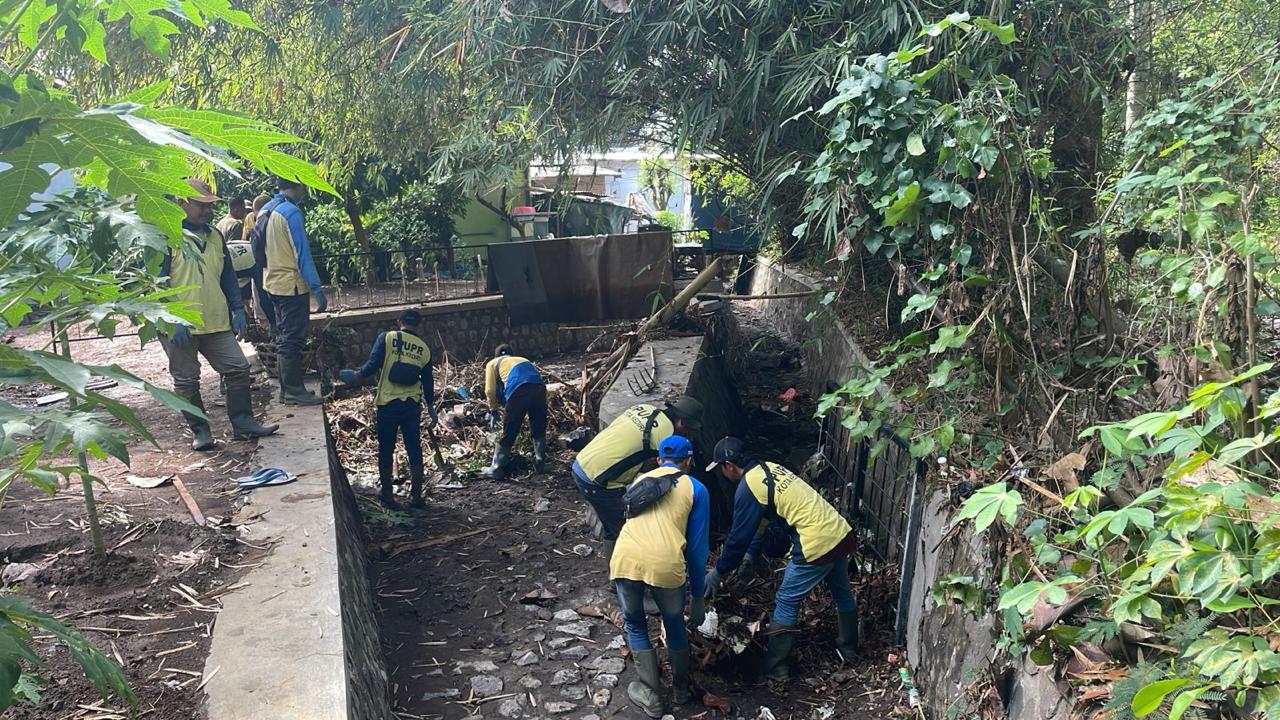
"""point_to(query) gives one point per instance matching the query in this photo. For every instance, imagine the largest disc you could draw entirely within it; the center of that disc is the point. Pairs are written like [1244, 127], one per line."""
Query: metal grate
[882, 497]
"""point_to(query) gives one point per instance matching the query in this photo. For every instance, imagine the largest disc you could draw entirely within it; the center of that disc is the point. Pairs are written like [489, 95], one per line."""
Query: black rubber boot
[539, 455]
[201, 434]
[292, 389]
[680, 694]
[774, 665]
[646, 693]
[387, 497]
[494, 471]
[415, 487]
[243, 424]
[847, 639]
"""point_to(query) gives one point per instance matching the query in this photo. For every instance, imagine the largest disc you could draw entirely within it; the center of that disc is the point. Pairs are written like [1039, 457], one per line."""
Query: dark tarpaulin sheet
[610, 277]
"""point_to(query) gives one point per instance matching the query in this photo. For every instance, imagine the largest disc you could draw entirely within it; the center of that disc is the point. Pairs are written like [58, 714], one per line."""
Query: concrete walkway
[277, 648]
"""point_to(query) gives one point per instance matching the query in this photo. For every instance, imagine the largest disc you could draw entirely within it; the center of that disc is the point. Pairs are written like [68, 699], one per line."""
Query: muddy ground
[508, 612]
[153, 602]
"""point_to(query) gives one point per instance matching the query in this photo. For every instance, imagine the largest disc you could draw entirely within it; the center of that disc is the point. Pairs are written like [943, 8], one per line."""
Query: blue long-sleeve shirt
[697, 530]
[378, 355]
[288, 210]
[747, 513]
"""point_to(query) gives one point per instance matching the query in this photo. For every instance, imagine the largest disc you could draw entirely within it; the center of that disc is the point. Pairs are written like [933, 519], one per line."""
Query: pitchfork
[645, 381]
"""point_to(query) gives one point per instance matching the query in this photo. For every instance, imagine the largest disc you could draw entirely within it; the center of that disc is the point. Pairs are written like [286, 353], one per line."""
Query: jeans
[607, 504]
[528, 400]
[670, 602]
[399, 417]
[293, 319]
[800, 579]
[220, 349]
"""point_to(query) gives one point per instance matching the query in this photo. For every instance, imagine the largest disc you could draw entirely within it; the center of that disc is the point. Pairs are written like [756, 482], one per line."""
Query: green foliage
[658, 179]
[989, 503]
[418, 219]
[17, 621]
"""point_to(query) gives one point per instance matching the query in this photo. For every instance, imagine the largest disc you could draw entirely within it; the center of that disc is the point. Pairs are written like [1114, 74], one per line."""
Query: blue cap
[676, 447]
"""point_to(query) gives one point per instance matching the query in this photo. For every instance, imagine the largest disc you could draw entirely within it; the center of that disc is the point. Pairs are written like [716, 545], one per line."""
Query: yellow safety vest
[650, 547]
[404, 347]
[204, 273]
[818, 524]
[281, 275]
[624, 438]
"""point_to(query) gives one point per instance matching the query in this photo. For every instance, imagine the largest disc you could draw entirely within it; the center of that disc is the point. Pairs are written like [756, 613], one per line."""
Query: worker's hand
[181, 336]
[697, 611]
[712, 584]
[322, 302]
[432, 418]
[350, 377]
[752, 568]
[495, 420]
[239, 324]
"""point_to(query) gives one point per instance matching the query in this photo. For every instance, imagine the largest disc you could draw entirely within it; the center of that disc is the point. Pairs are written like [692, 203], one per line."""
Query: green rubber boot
[680, 694]
[646, 693]
[847, 639]
[774, 665]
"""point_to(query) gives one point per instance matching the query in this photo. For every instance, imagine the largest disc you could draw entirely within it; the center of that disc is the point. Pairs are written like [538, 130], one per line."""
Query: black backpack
[258, 240]
[645, 492]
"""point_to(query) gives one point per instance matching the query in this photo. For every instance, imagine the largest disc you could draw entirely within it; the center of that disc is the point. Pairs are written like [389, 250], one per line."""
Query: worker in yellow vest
[204, 269]
[513, 384]
[401, 361]
[821, 543]
[662, 549]
[608, 464]
[291, 279]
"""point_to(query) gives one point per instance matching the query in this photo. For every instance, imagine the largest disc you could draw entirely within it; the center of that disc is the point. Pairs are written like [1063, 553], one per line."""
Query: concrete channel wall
[948, 647]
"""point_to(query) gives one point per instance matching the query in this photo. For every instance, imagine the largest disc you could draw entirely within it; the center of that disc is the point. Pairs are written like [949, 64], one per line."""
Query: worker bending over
[402, 362]
[659, 548]
[821, 543]
[608, 463]
[203, 271]
[513, 383]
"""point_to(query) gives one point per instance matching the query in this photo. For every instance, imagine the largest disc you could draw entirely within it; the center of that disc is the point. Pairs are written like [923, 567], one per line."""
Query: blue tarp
[729, 230]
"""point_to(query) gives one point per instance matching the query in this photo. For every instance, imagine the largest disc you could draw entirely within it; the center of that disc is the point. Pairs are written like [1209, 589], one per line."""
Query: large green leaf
[990, 502]
[1149, 698]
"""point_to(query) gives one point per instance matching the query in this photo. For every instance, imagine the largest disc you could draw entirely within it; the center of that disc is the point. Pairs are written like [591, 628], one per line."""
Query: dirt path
[153, 602]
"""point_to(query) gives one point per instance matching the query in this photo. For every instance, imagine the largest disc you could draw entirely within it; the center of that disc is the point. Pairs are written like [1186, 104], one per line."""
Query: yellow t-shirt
[650, 547]
[401, 346]
[818, 524]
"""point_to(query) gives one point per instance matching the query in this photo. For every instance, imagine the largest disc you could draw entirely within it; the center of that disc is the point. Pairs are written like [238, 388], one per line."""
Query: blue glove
[712, 584]
[494, 419]
[322, 302]
[350, 377]
[239, 324]
[752, 568]
[181, 336]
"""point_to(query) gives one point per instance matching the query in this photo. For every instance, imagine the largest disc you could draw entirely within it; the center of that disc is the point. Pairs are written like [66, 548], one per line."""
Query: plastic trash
[710, 624]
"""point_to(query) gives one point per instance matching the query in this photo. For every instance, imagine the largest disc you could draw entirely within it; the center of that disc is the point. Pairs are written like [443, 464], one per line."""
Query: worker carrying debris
[513, 384]
[821, 543]
[608, 463]
[402, 362]
[663, 543]
[204, 268]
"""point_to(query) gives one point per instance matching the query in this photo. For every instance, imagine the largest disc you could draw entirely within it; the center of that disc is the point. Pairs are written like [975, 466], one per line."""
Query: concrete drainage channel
[509, 615]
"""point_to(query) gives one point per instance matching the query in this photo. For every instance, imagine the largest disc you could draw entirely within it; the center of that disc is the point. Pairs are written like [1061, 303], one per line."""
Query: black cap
[729, 449]
[410, 317]
[688, 410]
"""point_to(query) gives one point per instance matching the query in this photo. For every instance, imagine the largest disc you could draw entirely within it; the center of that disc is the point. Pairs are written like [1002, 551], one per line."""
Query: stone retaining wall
[473, 326]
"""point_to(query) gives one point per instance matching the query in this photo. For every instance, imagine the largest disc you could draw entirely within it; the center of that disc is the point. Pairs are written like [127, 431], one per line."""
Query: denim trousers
[670, 602]
[399, 417]
[800, 579]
